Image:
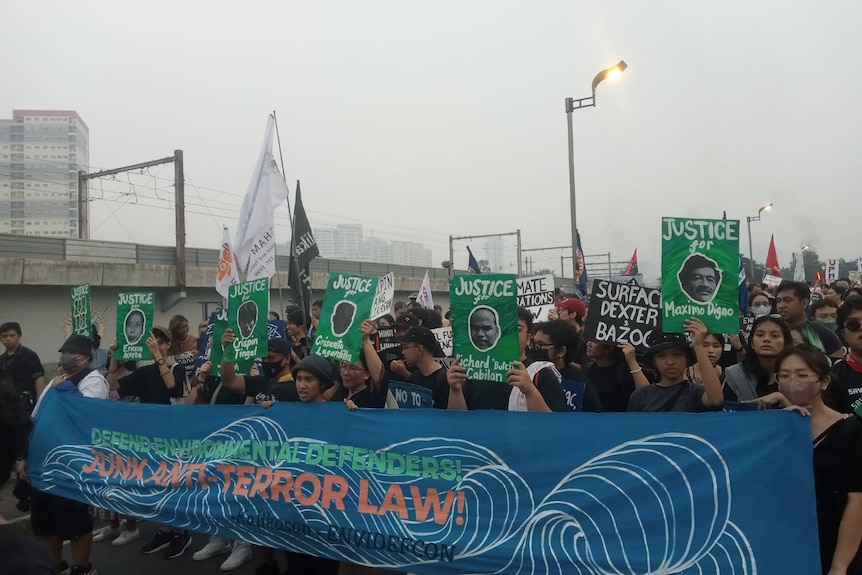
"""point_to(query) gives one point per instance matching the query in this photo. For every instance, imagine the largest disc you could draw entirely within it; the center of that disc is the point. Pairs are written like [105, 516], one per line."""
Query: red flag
[632, 268]
[772, 266]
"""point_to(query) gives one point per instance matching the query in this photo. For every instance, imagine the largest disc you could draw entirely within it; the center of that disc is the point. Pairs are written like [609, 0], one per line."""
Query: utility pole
[180, 214]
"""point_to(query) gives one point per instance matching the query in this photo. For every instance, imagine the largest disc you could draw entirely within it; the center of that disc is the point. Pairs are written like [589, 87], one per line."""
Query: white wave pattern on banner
[671, 514]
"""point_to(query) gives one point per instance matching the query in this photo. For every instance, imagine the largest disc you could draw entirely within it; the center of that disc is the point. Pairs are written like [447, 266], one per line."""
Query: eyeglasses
[808, 377]
[351, 367]
[852, 325]
[537, 345]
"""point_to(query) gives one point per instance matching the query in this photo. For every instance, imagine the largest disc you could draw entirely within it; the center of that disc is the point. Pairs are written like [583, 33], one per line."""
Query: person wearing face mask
[803, 376]
[845, 391]
[752, 378]
[55, 519]
[556, 342]
[760, 304]
[825, 312]
[275, 383]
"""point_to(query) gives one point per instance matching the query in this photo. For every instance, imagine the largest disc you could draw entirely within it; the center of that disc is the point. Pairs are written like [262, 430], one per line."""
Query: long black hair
[751, 363]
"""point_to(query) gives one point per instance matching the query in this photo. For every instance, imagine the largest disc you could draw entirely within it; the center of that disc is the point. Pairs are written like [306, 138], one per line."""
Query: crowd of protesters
[796, 354]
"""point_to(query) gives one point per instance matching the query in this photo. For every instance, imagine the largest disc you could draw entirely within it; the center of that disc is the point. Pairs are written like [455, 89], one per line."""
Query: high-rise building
[41, 152]
[409, 254]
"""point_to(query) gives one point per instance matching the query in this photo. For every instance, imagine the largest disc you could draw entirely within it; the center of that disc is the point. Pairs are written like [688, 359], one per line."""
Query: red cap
[574, 305]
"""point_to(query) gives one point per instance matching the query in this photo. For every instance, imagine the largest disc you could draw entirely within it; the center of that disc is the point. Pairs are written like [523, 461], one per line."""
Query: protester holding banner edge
[803, 374]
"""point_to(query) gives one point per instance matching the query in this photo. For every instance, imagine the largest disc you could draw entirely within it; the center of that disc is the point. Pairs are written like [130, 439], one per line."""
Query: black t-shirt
[368, 397]
[438, 385]
[22, 554]
[22, 369]
[147, 384]
[614, 385]
[591, 403]
[495, 395]
[844, 393]
[685, 397]
[837, 472]
[223, 395]
[265, 389]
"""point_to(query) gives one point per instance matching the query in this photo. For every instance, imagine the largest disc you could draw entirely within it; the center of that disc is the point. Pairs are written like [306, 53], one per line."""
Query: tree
[484, 268]
[810, 262]
[544, 272]
[759, 269]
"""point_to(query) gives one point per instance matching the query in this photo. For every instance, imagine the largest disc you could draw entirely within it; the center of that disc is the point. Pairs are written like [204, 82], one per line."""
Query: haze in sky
[422, 120]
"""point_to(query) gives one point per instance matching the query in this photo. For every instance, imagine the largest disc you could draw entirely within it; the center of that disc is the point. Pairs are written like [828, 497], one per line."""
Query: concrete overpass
[36, 274]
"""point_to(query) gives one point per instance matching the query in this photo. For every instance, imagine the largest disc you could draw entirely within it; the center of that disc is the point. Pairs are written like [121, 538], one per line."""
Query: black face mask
[271, 369]
[538, 354]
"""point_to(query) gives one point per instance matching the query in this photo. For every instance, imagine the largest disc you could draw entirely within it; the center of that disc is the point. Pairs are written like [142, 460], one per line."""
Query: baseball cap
[407, 320]
[279, 345]
[574, 305]
[424, 337]
[77, 343]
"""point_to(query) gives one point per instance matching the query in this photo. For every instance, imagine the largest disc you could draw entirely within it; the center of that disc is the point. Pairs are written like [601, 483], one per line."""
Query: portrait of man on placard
[134, 326]
[246, 318]
[484, 327]
[700, 278]
[342, 317]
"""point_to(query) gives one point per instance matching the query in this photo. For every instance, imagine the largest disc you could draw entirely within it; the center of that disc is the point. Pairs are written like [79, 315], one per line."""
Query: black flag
[303, 249]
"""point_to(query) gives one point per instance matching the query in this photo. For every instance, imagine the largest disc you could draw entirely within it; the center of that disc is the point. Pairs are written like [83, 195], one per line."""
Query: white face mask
[760, 310]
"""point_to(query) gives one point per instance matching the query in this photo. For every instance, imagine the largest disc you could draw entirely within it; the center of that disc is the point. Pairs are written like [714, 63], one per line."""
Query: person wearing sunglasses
[845, 392]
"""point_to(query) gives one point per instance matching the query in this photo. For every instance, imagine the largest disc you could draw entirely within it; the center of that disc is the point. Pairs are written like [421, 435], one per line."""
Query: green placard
[248, 311]
[346, 305]
[82, 321]
[485, 326]
[134, 325]
[700, 273]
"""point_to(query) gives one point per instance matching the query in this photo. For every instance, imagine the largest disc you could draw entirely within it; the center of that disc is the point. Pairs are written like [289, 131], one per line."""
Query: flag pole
[289, 213]
[293, 261]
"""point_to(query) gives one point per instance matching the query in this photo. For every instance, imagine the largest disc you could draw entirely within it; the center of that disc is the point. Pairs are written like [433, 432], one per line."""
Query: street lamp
[572, 105]
[750, 219]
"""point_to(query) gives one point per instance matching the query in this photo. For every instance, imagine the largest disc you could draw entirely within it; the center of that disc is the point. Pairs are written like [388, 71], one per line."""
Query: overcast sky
[425, 119]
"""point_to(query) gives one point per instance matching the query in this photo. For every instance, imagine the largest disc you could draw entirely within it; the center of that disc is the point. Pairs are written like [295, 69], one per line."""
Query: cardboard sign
[444, 338]
[536, 293]
[772, 281]
[134, 325]
[346, 305]
[623, 312]
[384, 296]
[832, 272]
[745, 325]
[700, 273]
[247, 310]
[485, 333]
[410, 395]
[82, 320]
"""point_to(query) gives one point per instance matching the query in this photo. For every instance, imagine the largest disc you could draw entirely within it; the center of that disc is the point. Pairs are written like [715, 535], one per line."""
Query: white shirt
[93, 385]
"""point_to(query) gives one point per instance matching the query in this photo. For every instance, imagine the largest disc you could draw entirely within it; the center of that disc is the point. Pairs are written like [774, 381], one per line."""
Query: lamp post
[750, 219]
[573, 104]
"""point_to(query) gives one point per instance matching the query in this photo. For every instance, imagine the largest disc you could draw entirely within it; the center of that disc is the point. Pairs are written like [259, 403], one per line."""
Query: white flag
[799, 269]
[424, 298]
[226, 274]
[254, 245]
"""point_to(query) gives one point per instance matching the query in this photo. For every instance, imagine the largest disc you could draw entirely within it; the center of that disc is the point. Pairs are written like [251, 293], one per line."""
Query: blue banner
[430, 491]
[410, 395]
